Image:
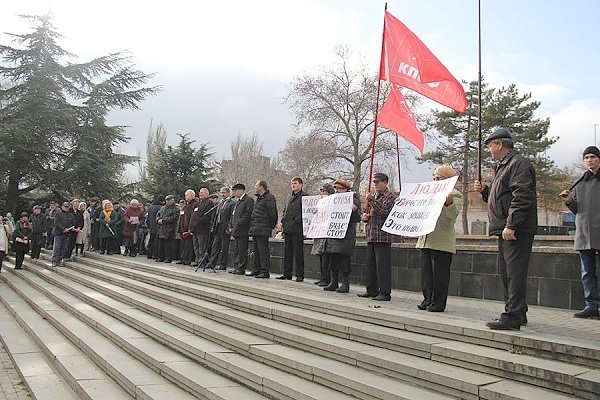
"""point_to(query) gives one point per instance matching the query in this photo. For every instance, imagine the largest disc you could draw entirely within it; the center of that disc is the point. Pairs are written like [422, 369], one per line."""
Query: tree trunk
[12, 194]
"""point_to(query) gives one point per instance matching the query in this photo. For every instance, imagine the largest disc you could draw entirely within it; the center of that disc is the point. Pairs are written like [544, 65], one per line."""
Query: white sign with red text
[331, 217]
[418, 207]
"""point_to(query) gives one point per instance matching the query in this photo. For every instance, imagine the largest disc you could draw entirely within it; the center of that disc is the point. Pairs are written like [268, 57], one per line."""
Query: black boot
[345, 286]
[333, 286]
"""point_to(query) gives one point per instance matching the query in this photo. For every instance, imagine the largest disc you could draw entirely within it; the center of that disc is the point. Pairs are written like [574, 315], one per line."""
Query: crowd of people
[199, 230]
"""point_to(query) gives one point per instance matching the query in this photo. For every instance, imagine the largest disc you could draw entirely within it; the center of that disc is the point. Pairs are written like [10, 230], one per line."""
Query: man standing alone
[512, 210]
[583, 201]
[292, 233]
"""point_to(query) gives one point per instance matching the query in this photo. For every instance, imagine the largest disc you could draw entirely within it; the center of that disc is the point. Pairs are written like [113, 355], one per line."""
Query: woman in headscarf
[21, 239]
[438, 247]
[106, 232]
[134, 216]
[341, 249]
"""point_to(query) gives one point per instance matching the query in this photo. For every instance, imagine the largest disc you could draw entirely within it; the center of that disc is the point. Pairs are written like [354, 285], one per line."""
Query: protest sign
[332, 216]
[418, 207]
[309, 209]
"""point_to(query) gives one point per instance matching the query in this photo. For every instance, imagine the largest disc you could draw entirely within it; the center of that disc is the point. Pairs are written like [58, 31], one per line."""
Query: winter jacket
[4, 235]
[186, 214]
[443, 238]
[512, 198]
[264, 215]
[222, 216]
[241, 216]
[200, 219]
[103, 231]
[586, 207]
[129, 228]
[22, 235]
[345, 245]
[170, 217]
[152, 211]
[292, 214]
[39, 223]
[62, 221]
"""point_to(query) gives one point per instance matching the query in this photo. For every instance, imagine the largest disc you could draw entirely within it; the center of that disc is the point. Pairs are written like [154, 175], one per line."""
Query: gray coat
[346, 245]
[586, 207]
[170, 217]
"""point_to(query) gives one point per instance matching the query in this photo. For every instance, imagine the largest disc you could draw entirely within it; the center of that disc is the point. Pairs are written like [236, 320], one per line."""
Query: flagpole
[376, 106]
[399, 171]
[479, 125]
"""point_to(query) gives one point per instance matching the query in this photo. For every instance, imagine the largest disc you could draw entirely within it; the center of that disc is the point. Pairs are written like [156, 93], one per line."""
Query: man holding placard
[379, 243]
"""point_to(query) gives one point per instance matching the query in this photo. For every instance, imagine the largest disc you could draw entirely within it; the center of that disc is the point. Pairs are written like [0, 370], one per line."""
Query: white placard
[309, 209]
[418, 207]
[332, 216]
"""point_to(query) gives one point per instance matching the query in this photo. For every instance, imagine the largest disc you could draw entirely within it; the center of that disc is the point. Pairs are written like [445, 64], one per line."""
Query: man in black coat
[39, 223]
[200, 226]
[240, 226]
[167, 219]
[64, 224]
[159, 201]
[187, 242]
[219, 249]
[512, 202]
[262, 222]
[292, 233]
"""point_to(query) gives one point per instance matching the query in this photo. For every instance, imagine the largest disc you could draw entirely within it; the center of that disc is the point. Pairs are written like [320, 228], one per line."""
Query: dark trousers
[589, 279]
[340, 268]
[71, 244]
[200, 245]
[107, 244]
[165, 249]
[20, 251]
[262, 254]
[59, 248]
[435, 276]
[293, 250]
[95, 237]
[187, 250]
[2, 255]
[50, 238]
[513, 263]
[240, 259]
[379, 268]
[152, 246]
[325, 267]
[37, 242]
[219, 250]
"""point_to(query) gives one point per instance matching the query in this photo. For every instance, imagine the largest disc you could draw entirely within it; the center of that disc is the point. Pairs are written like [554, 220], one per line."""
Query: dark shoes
[587, 313]
[500, 325]
[283, 277]
[367, 294]
[238, 272]
[423, 305]
[262, 275]
[324, 283]
[331, 287]
[252, 273]
[344, 288]
[435, 308]
[299, 279]
[382, 297]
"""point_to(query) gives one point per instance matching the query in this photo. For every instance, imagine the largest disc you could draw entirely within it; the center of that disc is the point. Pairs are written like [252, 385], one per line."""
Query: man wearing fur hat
[582, 200]
[512, 210]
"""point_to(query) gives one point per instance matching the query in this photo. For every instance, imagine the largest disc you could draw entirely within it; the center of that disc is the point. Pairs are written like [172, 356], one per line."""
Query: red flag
[396, 116]
[406, 61]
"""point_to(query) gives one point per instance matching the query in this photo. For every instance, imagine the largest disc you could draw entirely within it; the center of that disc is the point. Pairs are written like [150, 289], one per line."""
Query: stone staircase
[115, 327]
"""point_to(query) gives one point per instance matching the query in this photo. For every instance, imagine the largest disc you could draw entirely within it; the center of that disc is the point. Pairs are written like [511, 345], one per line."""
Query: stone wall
[554, 277]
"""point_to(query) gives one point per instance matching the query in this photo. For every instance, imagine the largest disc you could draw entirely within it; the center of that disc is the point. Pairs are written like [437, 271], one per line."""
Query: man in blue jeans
[64, 224]
[582, 200]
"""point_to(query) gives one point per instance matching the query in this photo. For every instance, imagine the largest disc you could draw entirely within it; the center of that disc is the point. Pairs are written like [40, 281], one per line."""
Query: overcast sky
[225, 66]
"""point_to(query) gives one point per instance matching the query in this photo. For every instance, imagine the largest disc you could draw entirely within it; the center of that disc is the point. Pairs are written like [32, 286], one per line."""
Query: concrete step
[380, 357]
[160, 373]
[69, 375]
[298, 370]
[532, 343]
[41, 377]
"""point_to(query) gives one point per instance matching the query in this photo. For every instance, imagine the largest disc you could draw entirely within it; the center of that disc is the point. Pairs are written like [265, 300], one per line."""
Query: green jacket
[443, 237]
[103, 231]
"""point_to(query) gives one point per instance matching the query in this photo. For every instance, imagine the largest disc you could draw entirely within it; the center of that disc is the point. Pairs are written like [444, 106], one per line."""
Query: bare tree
[335, 112]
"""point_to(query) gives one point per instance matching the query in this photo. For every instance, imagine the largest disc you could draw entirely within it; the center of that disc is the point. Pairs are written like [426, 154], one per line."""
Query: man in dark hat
[240, 227]
[21, 239]
[39, 224]
[582, 200]
[379, 243]
[64, 224]
[512, 210]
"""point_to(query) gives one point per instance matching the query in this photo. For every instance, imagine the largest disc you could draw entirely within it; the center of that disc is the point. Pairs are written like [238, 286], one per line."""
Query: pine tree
[503, 107]
[53, 113]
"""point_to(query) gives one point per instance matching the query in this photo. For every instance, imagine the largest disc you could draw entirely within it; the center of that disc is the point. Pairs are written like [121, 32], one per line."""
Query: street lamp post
[595, 141]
